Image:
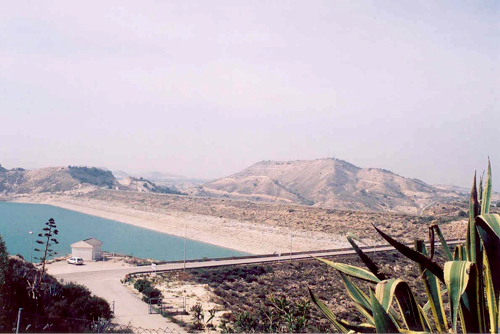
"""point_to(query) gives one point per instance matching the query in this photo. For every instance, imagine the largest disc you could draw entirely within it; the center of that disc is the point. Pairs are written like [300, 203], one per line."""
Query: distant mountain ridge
[328, 183]
[153, 175]
[176, 183]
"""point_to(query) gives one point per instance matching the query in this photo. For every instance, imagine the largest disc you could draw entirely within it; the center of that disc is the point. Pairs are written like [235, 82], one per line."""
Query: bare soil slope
[138, 184]
[328, 183]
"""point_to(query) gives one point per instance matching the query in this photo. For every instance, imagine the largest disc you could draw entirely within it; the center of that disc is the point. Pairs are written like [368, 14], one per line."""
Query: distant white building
[88, 249]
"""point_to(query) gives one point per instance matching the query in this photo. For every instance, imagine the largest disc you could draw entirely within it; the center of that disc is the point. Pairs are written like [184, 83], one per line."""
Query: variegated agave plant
[470, 278]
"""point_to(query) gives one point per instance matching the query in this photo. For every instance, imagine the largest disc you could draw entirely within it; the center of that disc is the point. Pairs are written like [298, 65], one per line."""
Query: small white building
[88, 249]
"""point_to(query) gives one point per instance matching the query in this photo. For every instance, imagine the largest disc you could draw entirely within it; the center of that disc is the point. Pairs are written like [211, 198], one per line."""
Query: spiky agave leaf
[488, 226]
[460, 253]
[351, 270]
[413, 255]
[433, 291]
[361, 328]
[356, 294]
[444, 244]
[473, 250]
[480, 193]
[398, 290]
[361, 300]
[474, 210]
[383, 321]
[491, 298]
[427, 322]
[326, 311]
[486, 198]
[460, 280]
[366, 260]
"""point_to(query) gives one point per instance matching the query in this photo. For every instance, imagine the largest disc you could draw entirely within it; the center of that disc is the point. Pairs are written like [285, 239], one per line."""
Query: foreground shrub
[276, 314]
[47, 304]
[151, 292]
[142, 284]
[148, 291]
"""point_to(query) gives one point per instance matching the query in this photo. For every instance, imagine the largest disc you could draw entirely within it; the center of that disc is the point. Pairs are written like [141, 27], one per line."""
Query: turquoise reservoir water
[16, 220]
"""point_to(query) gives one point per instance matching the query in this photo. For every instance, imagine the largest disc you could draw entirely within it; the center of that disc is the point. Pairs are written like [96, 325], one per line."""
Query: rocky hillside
[328, 183]
[53, 179]
[138, 184]
[62, 179]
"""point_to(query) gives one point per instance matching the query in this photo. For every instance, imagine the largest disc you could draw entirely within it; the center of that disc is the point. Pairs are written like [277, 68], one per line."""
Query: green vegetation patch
[92, 175]
[48, 306]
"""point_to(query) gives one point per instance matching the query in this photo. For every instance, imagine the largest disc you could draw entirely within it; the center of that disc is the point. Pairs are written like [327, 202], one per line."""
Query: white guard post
[153, 267]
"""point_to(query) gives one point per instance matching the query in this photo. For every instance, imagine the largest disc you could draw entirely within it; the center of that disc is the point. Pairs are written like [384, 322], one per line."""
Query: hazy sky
[208, 88]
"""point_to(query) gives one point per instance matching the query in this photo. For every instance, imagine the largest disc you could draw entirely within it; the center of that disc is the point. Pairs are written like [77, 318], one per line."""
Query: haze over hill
[328, 183]
[169, 180]
[151, 175]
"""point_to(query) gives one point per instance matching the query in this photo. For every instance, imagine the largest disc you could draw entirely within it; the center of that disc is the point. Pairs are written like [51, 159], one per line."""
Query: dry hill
[18, 181]
[328, 183]
[53, 179]
[63, 179]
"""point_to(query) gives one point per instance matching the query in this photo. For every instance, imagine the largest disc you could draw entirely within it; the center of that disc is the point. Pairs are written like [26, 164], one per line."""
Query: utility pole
[18, 319]
[185, 236]
[31, 249]
[291, 246]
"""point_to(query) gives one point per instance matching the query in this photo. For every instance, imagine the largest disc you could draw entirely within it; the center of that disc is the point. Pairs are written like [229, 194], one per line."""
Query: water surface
[17, 219]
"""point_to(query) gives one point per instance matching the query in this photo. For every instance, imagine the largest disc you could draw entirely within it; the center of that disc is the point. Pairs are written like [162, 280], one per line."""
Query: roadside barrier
[282, 257]
[283, 254]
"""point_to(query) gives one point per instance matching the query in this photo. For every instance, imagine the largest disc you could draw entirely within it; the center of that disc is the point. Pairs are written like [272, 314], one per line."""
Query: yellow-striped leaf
[460, 253]
[444, 244]
[433, 291]
[396, 289]
[460, 279]
[351, 270]
[491, 298]
[361, 328]
[486, 199]
[427, 323]
[488, 227]
[355, 293]
[326, 311]
[383, 321]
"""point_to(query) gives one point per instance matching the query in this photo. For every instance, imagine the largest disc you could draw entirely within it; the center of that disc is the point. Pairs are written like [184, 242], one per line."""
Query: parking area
[62, 267]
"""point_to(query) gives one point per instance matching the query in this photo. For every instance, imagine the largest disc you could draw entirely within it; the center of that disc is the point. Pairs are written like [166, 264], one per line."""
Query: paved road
[443, 200]
[129, 308]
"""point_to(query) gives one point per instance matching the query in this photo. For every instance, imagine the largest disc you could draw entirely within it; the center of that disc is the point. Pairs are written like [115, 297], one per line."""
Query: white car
[75, 260]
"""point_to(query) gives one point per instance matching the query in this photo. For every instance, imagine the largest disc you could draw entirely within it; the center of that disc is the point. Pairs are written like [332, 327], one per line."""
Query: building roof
[81, 244]
[93, 241]
[87, 243]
